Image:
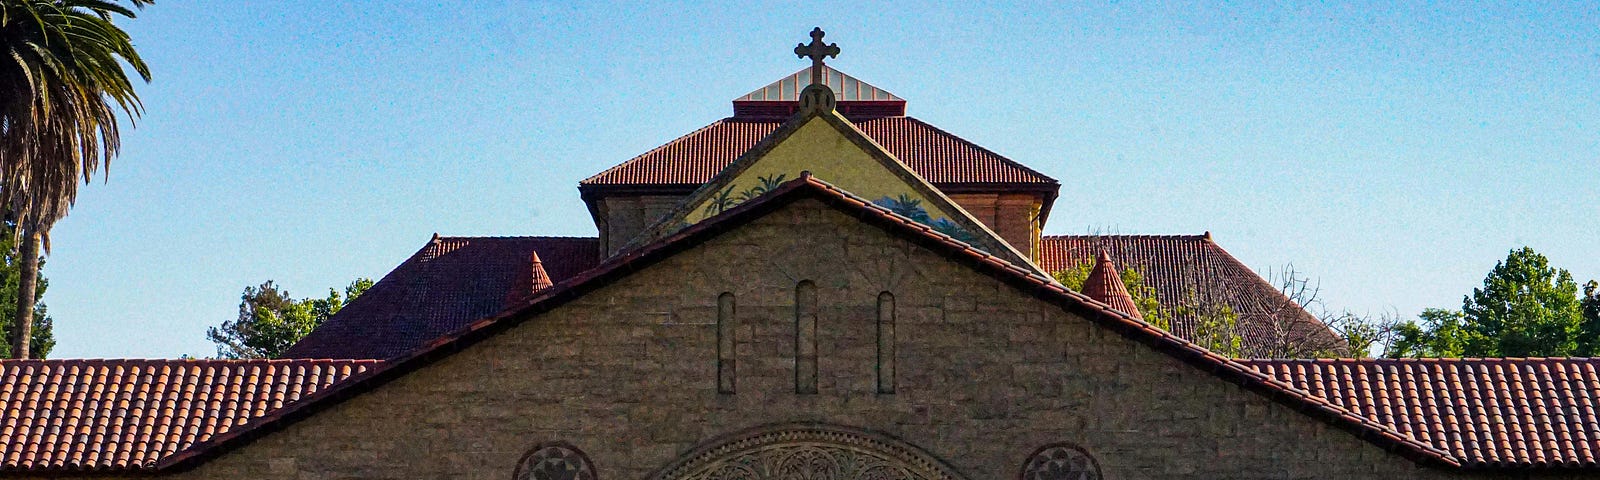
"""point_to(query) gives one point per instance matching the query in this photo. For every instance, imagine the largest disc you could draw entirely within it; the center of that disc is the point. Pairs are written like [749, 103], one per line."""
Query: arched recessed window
[1060, 461]
[805, 337]
[885, 342]
[727, 328]
[554, 461]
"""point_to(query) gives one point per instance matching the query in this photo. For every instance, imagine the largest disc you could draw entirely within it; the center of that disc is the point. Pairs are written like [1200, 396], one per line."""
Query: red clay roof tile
[127, 414]
[1193, 270]
[934, 154]
[457, 280]
[450, 281]
[1501, 412]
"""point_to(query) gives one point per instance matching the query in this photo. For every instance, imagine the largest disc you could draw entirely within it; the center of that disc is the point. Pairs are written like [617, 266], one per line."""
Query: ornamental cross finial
[817, 51]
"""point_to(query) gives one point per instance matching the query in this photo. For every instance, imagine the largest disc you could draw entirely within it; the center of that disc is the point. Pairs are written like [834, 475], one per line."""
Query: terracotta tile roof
[526, 286]
[1510, 399]
[934, 154]
[1105, 284]
[447, 283]
[1508, 412]
[129, 414]
[1194, 270]
[459, 279]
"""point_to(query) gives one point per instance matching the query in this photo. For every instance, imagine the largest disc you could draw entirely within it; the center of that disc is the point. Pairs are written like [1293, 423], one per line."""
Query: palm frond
[65, 83]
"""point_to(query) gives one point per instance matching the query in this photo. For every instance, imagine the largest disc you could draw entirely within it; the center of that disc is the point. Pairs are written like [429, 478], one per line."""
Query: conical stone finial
[537, 278]
[1105, 285]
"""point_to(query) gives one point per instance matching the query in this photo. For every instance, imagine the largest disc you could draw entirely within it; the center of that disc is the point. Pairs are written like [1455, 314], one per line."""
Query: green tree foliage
[61, 85]
[1215, 327]
[270, 320]
[1441, 333]
[1362, 334]
[1144, 297]
[1526, 308]
[43, 336]
[1589, 331]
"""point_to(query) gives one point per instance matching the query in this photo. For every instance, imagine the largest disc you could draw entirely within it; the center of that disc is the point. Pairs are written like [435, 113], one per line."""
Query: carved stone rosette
[807, 452]
[1060, 461]
[554, 461]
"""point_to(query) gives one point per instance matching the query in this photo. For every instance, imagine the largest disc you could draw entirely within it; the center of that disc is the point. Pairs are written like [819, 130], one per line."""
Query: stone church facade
[805, 332]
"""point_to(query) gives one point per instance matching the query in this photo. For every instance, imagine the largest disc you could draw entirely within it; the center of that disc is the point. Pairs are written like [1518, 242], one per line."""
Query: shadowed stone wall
[621, 218]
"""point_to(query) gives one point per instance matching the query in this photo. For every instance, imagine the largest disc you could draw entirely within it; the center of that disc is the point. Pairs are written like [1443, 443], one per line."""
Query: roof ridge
[1375, 360]
[515, 237]
[658, 148]
[1135, 235]
[81, 361]
[708, 145]
[1275, 292]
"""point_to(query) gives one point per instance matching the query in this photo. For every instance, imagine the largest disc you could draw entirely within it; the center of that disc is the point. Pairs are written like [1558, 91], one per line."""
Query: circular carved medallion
[807, 452]
[554, 461]
[1060, 461]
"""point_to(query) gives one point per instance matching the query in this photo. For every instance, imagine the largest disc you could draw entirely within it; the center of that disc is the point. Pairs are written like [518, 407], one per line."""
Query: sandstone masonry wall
[986, 374]
[624, 217]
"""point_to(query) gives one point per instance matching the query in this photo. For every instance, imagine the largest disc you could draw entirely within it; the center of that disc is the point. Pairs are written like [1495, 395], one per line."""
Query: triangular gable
[830, 148]
[621, 266]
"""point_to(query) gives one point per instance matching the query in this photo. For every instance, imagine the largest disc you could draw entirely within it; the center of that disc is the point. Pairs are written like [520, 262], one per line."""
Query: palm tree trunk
[27, 292]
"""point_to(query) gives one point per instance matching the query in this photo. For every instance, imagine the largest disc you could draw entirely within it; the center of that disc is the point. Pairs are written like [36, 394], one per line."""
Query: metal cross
[817, 51]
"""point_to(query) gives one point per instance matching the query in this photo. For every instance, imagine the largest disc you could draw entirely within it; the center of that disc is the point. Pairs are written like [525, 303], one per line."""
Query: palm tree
[61, 85]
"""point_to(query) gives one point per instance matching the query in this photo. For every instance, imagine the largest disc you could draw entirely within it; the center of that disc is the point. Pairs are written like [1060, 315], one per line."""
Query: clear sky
[1394, 154]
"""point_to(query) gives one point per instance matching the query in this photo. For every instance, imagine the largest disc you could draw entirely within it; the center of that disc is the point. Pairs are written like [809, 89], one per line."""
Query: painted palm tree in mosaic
[62, 82]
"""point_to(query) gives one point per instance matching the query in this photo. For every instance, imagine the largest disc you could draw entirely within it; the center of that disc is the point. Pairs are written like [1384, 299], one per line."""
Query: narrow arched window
[805, 337]
[885, 342]
[727, 346]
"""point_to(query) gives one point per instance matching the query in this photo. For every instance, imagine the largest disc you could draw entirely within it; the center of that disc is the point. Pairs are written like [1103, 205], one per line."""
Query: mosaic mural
[726, 199]
[912, 208]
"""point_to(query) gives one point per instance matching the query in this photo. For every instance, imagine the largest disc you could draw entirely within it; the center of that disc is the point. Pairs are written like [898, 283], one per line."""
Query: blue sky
[1394, 153]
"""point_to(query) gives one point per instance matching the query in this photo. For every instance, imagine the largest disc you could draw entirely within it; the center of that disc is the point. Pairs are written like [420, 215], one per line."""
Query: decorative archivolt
[807, 452]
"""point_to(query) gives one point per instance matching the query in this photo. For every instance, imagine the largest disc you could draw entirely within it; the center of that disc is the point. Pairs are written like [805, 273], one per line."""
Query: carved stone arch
[807, 451]
[554, 461]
